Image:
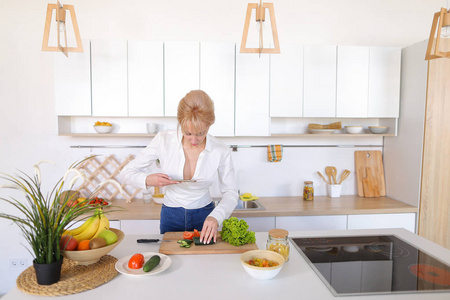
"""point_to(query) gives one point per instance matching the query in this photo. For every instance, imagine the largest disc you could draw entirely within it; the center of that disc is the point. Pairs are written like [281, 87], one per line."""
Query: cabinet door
[405, 220]
[286, 82]
[139, 226]
[319, 98]
[252, 94]
[384, 82]
[217, 80]
[109, 78]
[352, 82]
[182, 73]
[145, 79]
[312, 223]
[73, 83]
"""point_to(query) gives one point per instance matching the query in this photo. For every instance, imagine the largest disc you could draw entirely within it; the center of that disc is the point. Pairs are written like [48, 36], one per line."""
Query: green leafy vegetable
[234, 232]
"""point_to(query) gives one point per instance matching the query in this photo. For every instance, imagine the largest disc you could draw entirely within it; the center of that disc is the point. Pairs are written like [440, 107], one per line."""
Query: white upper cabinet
[319, 98]
[182, 73]
[384, 82]
[109, 78]
[286, 82]
[352, 82]
[145, 79]
[252, 94]
[73, 82]
[217, 80]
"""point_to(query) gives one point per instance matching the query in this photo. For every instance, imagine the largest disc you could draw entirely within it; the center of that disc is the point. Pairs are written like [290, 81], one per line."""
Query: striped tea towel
[275, 152]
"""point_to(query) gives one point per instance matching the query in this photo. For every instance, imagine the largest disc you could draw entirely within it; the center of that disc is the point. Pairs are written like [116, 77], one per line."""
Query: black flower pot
[47, 274]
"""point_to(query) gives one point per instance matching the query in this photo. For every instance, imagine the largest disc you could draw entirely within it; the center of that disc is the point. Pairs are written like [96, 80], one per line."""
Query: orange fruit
[83, 245]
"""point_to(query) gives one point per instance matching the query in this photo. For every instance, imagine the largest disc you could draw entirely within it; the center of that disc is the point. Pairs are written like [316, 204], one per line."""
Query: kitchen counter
[221, 276]
[282, 206]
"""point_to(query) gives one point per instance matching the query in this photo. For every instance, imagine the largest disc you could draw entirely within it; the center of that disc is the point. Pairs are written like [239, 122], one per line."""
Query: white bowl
[354, 129]
[158, 200]
[378, 129]
[260, 272]
[87, 257]
[103, 129]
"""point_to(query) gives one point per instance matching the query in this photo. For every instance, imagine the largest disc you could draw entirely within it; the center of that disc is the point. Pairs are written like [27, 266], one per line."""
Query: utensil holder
[334, 190]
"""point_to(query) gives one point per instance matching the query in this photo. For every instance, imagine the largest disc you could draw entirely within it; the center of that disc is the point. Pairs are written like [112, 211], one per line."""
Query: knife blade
[151, 240]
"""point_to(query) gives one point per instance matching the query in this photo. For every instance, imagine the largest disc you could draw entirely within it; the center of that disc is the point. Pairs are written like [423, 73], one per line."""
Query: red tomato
[196, 233]
[188, 235]
[136, 261]
[68, 243]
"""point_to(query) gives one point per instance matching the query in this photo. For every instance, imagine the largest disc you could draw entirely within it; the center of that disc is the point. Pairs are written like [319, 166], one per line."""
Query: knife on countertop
[152, 240]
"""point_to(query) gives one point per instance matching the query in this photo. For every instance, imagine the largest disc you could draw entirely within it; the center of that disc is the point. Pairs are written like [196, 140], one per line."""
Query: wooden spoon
[333, 174]
[323, 177]
[329, 171]
[344, 175]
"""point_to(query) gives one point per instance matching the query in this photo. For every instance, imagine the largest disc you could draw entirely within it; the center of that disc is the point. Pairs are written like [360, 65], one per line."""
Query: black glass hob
[360, 265]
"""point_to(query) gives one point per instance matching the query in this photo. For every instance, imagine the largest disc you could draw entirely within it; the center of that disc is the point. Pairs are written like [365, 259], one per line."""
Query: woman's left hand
[209, 230]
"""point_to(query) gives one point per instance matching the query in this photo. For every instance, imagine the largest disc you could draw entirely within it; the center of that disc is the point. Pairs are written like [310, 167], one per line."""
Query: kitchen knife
[151, 240]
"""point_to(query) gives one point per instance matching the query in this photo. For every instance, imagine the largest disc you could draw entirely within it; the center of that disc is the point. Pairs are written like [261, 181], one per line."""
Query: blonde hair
[197, 108]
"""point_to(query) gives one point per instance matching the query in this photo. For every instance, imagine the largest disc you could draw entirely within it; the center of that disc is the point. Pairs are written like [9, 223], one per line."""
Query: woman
[188, 153]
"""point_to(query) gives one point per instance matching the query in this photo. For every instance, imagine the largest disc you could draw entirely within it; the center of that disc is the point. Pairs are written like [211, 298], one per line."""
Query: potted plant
[43, 217]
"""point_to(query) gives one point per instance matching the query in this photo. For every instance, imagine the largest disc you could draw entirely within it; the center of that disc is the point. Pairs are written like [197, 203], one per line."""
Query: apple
[109, 236]
[68, 243]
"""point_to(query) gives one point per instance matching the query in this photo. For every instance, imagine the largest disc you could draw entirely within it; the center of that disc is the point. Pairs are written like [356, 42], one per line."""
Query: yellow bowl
[87, 257]
[262, 273]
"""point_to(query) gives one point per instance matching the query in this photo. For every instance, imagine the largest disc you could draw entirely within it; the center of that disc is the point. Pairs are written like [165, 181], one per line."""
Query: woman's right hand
[159, 180]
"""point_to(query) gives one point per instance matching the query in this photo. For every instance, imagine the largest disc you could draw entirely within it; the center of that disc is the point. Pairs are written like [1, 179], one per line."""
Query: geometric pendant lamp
[260, 34]
[439, 41]
[60, 18]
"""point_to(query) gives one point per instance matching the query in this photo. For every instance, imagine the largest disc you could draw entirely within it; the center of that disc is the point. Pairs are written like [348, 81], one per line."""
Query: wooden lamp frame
[61, 17]
[260, 16]
[441, 18]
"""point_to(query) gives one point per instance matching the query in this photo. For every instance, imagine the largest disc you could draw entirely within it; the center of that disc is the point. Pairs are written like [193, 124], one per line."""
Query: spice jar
[278, 242]
[308, 191]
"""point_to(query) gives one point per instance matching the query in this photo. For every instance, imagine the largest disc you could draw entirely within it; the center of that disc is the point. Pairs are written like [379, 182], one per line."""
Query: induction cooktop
[362, 265]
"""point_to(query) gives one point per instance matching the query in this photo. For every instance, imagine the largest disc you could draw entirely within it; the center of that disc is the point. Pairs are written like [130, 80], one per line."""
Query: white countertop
[221, 276]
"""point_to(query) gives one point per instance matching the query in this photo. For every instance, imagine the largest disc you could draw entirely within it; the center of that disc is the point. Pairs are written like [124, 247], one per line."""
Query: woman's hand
[159, 180]
[209, 230]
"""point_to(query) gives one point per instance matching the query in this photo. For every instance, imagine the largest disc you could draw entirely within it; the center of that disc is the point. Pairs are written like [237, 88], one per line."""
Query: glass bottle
[278, 242]
[308, 191]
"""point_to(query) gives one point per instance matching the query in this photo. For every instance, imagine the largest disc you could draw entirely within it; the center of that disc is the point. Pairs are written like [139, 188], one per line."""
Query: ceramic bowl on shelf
[103, 128]
[378, 129]
[87, 257]
[262, 273]
[354, 129]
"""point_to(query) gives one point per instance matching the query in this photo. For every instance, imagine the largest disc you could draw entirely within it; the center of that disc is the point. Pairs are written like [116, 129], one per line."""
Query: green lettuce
[234, 232]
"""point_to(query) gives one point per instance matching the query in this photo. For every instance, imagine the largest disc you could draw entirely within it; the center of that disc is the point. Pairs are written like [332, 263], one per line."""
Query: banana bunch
[91, 228]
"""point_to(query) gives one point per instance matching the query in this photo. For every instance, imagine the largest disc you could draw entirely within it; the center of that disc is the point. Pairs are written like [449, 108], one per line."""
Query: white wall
[28, 125]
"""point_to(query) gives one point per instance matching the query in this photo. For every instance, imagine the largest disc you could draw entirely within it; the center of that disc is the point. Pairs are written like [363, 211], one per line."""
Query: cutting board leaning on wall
[370, 173]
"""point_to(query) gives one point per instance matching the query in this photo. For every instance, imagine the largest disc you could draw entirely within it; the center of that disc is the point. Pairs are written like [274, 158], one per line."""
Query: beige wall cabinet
[217, 69]
[181, 73]
[109, 78]
[286, 82]
[252, 95]
[145, 79]
[73, 83]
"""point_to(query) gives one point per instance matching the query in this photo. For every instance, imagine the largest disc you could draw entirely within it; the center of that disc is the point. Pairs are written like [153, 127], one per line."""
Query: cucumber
[198, 243]
[152, 263]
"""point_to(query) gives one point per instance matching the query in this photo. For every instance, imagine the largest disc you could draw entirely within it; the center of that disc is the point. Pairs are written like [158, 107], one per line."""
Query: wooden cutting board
[170, 246]
[374, 161]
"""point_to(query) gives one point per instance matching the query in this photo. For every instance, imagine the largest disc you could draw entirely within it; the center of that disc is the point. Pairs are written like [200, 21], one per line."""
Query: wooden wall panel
[434, 214]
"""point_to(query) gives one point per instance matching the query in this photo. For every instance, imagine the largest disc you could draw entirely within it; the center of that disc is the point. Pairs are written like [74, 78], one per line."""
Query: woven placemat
[74, 278]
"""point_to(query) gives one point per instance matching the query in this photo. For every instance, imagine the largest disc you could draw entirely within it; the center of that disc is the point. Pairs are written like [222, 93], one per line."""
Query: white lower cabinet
[375, 221]
[114, 224]
[260, 224]
[139, 226]
[312, 223]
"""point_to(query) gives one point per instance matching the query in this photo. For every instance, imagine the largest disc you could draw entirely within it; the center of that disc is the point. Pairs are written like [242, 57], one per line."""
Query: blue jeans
[181, 219]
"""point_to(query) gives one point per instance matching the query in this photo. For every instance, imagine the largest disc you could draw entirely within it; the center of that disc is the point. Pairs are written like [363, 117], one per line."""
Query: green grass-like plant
[45, 217]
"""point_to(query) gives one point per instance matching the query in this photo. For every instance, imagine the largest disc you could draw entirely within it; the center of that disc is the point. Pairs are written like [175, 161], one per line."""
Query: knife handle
[148, 240]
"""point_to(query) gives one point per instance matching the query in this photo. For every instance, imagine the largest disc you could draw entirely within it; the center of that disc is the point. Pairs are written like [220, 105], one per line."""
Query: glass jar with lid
[278, 242]
[308, 191]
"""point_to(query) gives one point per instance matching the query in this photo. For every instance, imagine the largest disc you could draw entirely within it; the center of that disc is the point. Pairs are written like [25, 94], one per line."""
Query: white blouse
[214, 163]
